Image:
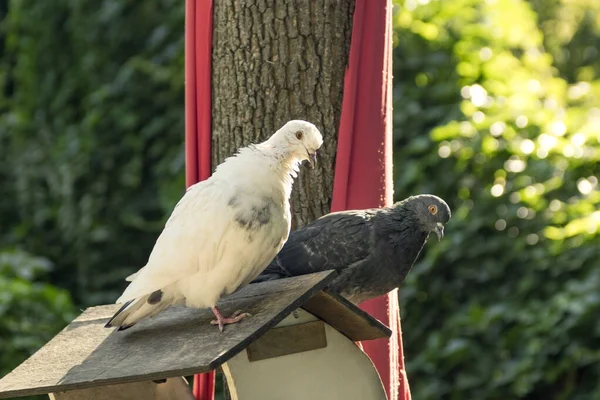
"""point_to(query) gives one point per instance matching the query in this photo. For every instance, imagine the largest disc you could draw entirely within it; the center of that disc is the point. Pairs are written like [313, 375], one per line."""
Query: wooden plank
[347, 318]
[177, 342]
[288, 340]
[172, 389]
[122, 391]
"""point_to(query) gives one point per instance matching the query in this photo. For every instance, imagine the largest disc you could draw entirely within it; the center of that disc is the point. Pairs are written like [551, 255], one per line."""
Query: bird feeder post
[299, 340]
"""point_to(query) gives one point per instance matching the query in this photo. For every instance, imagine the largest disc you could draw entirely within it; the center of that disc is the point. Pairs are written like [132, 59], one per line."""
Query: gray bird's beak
[439, 231]
[312, 159]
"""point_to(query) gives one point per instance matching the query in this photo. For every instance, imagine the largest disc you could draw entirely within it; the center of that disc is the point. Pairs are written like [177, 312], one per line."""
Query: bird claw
[235, 317]
[238, 312]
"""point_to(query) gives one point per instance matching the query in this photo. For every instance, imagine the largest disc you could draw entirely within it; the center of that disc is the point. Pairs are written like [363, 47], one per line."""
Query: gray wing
[335, 241]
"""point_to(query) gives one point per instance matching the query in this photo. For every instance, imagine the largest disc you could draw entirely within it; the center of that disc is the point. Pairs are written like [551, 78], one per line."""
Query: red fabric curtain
[198, 44]
[363, 174]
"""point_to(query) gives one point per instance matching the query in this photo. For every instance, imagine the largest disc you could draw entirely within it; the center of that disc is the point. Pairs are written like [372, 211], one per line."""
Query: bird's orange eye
[299, 135]
[433, 209]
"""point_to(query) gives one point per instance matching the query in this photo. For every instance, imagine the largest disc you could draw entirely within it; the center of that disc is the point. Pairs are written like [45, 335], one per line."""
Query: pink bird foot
[222, 321]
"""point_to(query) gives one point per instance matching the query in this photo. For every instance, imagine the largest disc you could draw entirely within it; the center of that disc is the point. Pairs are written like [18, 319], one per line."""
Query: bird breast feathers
[208, 228]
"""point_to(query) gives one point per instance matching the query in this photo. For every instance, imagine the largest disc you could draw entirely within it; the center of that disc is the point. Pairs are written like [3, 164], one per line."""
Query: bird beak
[439, 231]
[312, 159]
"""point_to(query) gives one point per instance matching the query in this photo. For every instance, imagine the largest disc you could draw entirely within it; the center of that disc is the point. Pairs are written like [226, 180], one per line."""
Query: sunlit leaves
[514, 146]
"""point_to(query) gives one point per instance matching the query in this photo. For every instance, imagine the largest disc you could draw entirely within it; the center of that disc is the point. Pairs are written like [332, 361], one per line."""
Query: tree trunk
[274, 61]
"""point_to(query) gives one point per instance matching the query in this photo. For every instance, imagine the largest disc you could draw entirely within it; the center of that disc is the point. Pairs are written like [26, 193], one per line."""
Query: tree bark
[274, 61]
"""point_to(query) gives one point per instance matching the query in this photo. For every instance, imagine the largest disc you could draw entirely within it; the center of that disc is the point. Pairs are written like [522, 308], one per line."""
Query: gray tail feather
[135, 310]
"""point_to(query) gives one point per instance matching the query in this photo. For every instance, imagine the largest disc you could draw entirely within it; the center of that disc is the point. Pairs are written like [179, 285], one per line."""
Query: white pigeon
[224, 231]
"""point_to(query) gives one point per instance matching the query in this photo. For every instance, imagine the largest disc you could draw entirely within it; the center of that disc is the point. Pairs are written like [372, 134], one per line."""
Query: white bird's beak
[312, 159]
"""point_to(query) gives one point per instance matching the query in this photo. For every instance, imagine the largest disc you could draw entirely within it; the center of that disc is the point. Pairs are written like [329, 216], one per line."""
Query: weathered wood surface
[286, 340]
[273, 61]
[347, 318]
[177, 342]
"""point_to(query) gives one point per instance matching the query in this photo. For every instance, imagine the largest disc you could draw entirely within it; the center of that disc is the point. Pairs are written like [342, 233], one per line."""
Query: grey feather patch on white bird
[224, 231]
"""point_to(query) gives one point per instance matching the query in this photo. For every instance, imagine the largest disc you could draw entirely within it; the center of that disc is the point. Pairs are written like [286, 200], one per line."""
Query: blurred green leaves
[488, 116]
[31, 311]
[91, 154]
[91, 135]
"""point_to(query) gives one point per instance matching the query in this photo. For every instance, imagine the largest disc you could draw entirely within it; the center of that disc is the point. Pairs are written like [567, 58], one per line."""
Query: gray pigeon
[373, 249]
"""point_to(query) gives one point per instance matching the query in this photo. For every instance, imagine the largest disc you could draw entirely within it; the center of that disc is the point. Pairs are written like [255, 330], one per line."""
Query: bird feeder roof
[179, 341]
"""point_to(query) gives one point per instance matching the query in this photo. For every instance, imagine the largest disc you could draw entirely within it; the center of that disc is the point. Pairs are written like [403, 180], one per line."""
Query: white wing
[189, 241]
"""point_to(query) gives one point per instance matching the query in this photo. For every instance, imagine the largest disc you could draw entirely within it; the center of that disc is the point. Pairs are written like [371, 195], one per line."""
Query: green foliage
[506, 305]
[91, 135]
[31, 311]
[496, 110]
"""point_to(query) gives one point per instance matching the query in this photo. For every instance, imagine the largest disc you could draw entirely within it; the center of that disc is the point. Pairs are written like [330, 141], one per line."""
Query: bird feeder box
[298, 344]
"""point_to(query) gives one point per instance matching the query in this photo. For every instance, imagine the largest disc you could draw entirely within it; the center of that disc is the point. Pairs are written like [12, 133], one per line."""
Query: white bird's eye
[299, 135]
[433, 209]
